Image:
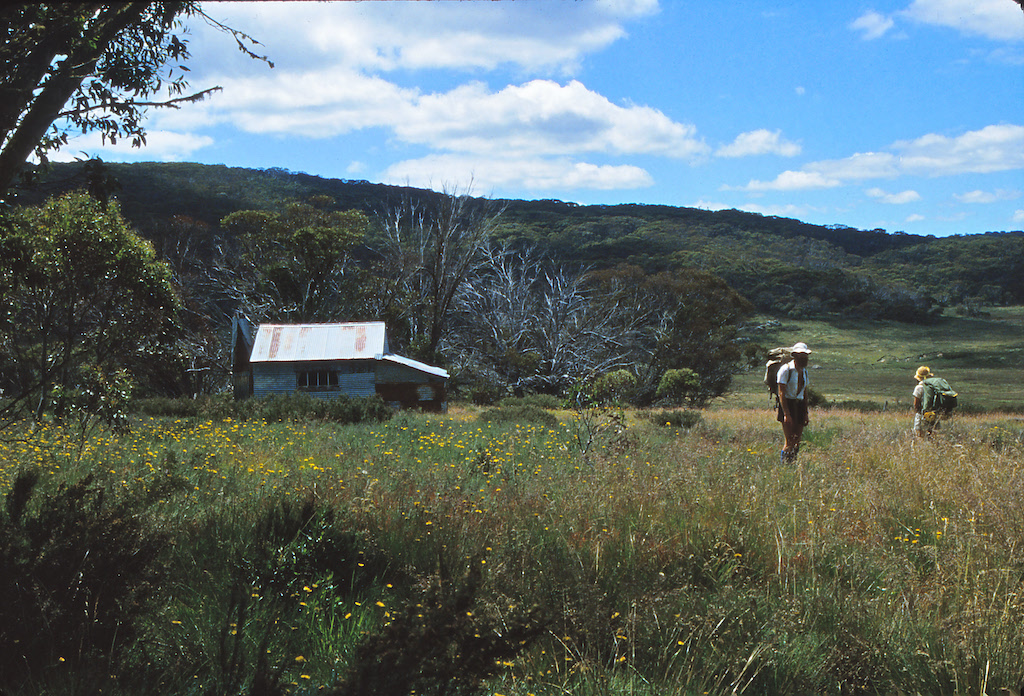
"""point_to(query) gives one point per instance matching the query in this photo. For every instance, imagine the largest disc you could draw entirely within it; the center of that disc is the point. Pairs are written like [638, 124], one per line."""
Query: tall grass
[513, 557]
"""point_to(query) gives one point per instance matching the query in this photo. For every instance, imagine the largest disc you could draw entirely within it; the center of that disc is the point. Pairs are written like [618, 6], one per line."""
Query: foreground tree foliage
[79, 289]
[89, 67]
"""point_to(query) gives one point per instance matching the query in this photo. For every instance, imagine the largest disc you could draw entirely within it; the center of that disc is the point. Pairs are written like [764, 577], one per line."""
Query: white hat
[799, 348]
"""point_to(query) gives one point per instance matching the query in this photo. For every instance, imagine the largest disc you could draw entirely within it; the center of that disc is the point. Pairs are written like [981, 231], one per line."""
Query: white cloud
[979, 196]
[759, 142]
[908, 196]
[916, 217]
[1018, 216]
[543, 117]
[872, 25]
[540, 117]
[409, 35]
[783, 210]
[161, 146]
[790, 181]
[1001, 20]
[990, 149]
[531, 173]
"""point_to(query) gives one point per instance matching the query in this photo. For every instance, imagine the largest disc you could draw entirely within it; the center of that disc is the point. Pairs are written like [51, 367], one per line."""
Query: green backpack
[938, 396]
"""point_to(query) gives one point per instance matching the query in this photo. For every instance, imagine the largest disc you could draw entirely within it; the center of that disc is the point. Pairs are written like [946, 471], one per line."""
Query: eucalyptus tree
[292, 265]
[90, 66]
[80, 292]
[428, 249]
[529, 324]
[684, 319]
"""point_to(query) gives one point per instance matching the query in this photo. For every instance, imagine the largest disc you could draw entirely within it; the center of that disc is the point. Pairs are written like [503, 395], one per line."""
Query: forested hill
[782, 265]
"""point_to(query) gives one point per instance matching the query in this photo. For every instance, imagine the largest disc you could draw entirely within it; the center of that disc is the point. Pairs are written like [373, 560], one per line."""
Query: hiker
[934, 400]
[921, 375]
[792, 379]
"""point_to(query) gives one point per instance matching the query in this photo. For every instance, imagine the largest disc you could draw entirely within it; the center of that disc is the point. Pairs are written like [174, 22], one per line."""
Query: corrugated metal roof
[416, 365]
[310, 342]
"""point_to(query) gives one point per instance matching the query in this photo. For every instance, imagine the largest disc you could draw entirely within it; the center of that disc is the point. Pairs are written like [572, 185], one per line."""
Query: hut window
[317, 379]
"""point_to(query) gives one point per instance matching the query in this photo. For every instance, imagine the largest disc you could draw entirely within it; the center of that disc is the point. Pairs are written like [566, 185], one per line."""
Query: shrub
[163, 407]
[677, 418]
[485, 394]
[678, 386]
[547, 402]
[277, 408]
[519, 413]
[613, 387]
[815, 398]
[76, 573]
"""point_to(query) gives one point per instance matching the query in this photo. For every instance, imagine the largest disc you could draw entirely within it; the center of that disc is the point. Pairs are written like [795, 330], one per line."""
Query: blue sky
[906, 115]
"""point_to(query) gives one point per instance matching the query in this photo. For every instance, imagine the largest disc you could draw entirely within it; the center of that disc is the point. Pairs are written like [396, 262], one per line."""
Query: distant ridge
[783, 265]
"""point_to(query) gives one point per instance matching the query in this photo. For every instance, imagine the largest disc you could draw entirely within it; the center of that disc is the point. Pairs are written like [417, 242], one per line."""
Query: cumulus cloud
[531, 173]
[872, 25]
[782, 210]
[993, 19]
[161, 145]
[759, 142]
[908, 196]
[540, 117]
[979, 196]
[990, 149]
[543, 117]
[1018, 216]
[998, 20]
[381, 36]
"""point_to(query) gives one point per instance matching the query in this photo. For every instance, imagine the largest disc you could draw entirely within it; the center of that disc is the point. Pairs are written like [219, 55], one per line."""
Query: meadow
[595, 552]
[874, 361]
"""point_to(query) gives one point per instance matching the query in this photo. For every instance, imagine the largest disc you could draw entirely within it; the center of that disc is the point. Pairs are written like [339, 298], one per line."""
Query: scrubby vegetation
[451, 554]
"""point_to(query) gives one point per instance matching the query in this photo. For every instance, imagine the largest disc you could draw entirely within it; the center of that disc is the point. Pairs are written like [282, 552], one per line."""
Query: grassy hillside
[860, 360]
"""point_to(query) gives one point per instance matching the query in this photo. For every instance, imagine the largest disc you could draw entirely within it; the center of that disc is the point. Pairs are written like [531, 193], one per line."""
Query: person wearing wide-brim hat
[922, 426]
[793, 379]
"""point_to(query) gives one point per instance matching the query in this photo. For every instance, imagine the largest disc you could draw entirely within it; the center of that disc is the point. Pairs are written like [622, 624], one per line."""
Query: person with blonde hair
[922, 425]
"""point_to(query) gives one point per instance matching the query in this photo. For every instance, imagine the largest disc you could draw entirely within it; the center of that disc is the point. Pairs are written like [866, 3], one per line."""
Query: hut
[329, 360]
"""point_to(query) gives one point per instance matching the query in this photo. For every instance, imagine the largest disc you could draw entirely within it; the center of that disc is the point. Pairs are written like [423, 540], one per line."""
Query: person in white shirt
[793, 379]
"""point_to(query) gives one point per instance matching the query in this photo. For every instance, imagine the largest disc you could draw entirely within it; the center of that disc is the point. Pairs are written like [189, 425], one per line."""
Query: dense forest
[782, 265]
[634, 301]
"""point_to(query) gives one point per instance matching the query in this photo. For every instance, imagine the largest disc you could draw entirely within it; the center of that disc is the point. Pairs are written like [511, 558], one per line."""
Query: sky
[904, 115]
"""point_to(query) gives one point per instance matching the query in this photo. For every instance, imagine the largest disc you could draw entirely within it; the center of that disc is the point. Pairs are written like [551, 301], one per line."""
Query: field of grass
[983, 358]
[603, 554]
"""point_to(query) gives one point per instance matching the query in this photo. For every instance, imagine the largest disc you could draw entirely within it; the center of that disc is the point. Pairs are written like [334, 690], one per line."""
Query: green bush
[613, 387]
[520, 413]
[485, 394]
[278, 408]
[677, 418]
[678, 386]
[163, 407]
[815, 398]
[77, 571]
[547, 402]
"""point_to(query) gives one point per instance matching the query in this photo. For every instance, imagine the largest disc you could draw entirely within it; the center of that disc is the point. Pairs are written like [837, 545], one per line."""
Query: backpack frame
[777, 357]
[939, 397]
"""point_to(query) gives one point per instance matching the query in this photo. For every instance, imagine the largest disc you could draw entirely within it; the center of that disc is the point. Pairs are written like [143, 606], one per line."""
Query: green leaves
[81, 288]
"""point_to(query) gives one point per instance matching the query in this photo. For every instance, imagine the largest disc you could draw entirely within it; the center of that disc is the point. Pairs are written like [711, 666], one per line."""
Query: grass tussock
[604, 553]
